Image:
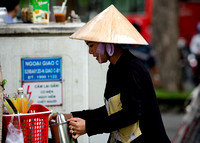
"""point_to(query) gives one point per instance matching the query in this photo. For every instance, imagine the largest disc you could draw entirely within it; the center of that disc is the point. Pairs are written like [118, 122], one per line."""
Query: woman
[131, 112]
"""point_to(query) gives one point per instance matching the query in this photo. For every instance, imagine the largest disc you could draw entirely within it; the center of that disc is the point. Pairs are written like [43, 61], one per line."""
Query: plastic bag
[14, 134]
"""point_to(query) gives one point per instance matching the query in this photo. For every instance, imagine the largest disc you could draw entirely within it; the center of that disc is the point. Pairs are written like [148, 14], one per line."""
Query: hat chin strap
[110, 49]
[105, 46]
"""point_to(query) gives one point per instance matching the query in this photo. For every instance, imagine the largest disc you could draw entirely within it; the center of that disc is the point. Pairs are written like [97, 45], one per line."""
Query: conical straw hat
[109, 26]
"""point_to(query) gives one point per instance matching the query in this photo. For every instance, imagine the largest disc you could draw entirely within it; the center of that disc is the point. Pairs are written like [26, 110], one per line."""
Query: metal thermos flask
[59, 130]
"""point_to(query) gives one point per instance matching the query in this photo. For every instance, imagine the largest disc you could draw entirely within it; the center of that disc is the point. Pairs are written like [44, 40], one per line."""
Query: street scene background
[168, 27]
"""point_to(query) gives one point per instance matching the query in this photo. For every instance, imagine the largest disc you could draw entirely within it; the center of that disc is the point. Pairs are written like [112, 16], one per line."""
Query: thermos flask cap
[61, 119]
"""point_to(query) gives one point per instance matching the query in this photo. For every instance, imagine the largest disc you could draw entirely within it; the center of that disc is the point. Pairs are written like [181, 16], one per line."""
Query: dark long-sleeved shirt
[130, 78]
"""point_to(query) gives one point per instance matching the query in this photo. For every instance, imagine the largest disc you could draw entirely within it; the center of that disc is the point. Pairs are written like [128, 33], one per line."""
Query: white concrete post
[1, 103]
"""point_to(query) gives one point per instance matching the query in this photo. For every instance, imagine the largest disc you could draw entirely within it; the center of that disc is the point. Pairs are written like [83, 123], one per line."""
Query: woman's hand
[77, 127]
[54, 115]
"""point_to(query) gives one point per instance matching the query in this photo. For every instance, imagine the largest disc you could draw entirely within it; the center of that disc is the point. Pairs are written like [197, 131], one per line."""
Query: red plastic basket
[34, 125]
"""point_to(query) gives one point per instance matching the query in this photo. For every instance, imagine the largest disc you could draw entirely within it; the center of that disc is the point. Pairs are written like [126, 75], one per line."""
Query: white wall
[83, 77]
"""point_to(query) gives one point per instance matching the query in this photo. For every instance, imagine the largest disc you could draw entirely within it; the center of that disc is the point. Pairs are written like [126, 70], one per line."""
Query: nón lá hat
[109, 26]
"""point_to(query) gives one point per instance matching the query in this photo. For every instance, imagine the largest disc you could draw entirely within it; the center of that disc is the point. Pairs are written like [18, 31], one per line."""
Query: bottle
[23, 100]
[21, 93]
[59, 130]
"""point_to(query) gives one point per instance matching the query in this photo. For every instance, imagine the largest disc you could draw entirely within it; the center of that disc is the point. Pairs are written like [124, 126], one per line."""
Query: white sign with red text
[45, 93]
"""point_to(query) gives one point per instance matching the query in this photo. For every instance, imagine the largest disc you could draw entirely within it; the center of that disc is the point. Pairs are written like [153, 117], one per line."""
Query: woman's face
[101, 58]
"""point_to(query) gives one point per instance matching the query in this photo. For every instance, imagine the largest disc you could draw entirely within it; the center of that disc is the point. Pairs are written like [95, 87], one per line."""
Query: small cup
[54, 131]
[3, 12]
[60, 15]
